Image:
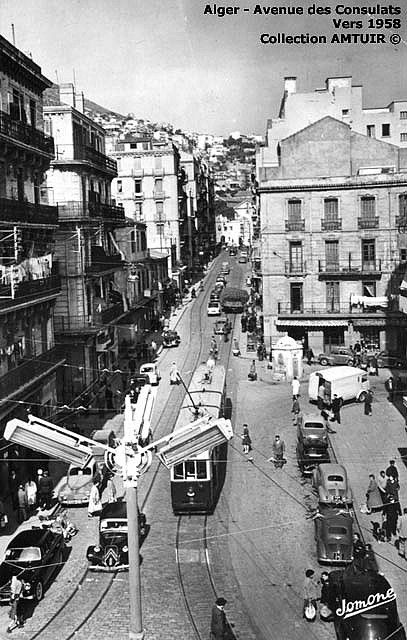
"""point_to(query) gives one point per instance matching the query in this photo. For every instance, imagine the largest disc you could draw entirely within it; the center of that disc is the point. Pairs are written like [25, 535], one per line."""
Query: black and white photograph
[203, 320]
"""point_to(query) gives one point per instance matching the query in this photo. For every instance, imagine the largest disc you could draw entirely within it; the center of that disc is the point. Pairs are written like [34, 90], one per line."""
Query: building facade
[30, 284]
[91, 264]
[332, 255]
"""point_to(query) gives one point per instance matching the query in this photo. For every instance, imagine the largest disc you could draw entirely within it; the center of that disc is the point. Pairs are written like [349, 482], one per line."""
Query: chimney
[80, 102]
[290, 84]
[67, 94]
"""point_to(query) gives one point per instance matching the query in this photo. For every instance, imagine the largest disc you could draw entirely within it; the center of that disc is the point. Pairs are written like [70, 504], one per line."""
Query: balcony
[296, 268]
[138, 195]
[331, 225]
[28, 373]
[72, 210]
[23, 132]
[16, 212]
[371, 222]
[350, 269]
[88, 324]
[295, 225]
[321, 309]
[401, 221]
[101, 261]
[30, 290]
[66, 153]
[159, 194]
[108, 315]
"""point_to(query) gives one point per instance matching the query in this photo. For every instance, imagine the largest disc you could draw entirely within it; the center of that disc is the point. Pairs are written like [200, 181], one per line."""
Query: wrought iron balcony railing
[16, 211]
[350, 266]
[331, 225]
[23, 132]
[368, 222]
[295, 225]
[72, 210]
[295, 267]
[30, 290]
[29, 372]
[69, 152]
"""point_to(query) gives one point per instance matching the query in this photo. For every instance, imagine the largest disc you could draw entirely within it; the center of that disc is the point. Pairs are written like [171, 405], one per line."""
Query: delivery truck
[348, 383]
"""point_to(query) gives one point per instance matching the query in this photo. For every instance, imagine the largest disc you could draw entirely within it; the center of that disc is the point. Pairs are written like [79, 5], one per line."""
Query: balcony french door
[332, 297]
[332, 255]
[295, 257]
[368, 255]
[296, 298]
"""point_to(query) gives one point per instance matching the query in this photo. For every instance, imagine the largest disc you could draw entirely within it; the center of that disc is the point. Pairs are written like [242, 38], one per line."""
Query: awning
[329, 322]
[157, 254]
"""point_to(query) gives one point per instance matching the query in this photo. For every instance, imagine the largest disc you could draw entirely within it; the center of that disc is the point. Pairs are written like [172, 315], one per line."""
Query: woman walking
[373, 497]
[246, 440]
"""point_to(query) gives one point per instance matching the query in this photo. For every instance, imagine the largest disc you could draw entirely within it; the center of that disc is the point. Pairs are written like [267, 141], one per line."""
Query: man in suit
[218, 621]
[336, 408]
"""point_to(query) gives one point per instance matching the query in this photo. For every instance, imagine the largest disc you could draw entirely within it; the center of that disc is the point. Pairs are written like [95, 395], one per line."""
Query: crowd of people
[27, 494]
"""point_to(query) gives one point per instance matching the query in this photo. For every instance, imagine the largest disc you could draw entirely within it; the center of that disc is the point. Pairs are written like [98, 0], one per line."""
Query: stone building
[30, 284]
[331, 249]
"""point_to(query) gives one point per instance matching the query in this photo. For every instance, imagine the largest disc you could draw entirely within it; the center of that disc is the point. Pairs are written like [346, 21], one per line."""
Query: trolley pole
[136, 631]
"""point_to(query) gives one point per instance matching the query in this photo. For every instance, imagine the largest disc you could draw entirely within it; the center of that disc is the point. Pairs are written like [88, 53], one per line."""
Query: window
[368, 207]
[403, 205]
[191, 470]
[385, 130]
[159, 209]
[369, 289]
[332, 296]
[296, 300]
[138, 209]
[33, 113]
[332, 254]
[295, 257]
[403, 115]
[119, 186]
[133, 242]
[403, 254]
[403, 137]
[158, 162]
[331, 209]
[133, 145]
[138, 184]
[160, 229]
[370, 131]
[368, 254]
[158, 186]
[145, 146]
[294, 210]
[345, 112]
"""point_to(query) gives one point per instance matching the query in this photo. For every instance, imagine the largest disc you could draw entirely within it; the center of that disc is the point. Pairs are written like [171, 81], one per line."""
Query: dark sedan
[391, 360]
[35, 555]
[333, 535]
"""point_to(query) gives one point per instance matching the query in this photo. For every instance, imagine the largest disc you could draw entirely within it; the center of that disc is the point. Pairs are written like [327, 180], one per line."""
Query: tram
[196, 483]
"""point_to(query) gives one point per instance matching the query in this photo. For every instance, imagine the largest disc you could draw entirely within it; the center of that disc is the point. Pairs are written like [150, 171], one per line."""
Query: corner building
[332, 255]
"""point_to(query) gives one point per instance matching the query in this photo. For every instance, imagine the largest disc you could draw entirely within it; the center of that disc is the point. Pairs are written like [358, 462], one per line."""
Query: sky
[168, 61]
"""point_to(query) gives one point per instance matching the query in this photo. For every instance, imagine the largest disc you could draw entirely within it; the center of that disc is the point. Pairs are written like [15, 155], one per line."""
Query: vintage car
[213, 308]
[112, 551]
[170, 338]
[337, 355]
[312, 442]
[222, 326]
[232, 251]
[215, 295]
[151, 370]
[74, 488]
[225, 268]
[220, 283]
[36, 555]
[330, 482]
[391, 360]
[334, 535]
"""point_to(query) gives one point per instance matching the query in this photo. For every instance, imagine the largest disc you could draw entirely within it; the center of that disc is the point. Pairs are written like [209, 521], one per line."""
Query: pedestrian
[218, 620]
[327, 599]
[243, 322]
[337, 403]
[13, 484]
[45, 491]
[109, 397]
[22, 505]
[373, 498]
[309, 354]
[260, 352]
[381, 484]
[153, 349]
[392, 489]
[31, 495]
[295, 409]
[252, 375]
[246, 439]
[393, 471]
[111, 490]
[325, 416]
[174, 374]
[358, 551]
[311, 595]
[389, 385]
[368, 561]
[278, 450]
[15, 613]
[402, 532]
[95, 503]
[357, 348]
[368, 402]
[251, 323]
[392, 511]
[295, 386]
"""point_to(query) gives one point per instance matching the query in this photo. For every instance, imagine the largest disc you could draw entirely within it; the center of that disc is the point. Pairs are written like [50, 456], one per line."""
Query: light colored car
[330, 482]
[74, 488]
[151, 369]
[213, 308]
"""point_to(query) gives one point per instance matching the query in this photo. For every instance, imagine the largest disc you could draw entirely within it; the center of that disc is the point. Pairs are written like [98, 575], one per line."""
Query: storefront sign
[355, 607]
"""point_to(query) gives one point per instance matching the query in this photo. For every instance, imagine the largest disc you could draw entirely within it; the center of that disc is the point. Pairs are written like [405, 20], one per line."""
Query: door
[368, 255]
[332, 255]
[295, 257]
[332, 297]
[296, 298]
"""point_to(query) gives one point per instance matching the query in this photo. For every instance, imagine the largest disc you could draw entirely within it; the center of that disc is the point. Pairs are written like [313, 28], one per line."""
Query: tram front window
[201, 469]
[191, 470]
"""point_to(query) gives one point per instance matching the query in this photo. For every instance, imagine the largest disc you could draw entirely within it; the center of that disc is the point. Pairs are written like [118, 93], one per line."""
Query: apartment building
[30, 284]
[92, 269]
[343, 101]
[331, 248]
[148, 186]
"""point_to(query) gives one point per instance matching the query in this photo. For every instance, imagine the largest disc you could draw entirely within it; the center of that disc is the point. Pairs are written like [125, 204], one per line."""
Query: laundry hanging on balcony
[369, 301]
[29, 269]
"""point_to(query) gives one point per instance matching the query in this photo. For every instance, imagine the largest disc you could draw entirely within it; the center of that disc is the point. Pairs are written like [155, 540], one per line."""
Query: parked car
[225, 267]
[213, 308]
[35, 555]
[338, 355]
[215, 295]
[232, 251]
[330, 482]
[170, 338]
[242, 258]
[74, 488]
[221, 325]
[151, 370]
[391, 360]
[312, 442]
[334, 535]
[112, 551]
[220, 282]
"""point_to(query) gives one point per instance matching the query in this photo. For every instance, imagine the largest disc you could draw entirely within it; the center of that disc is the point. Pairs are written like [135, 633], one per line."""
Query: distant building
[332, 255]
[29, 284]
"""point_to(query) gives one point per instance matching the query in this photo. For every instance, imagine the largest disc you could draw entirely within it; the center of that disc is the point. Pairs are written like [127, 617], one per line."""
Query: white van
[348, 383]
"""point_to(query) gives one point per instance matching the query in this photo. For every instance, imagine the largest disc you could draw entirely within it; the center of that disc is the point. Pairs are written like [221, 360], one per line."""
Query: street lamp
[132, 460]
